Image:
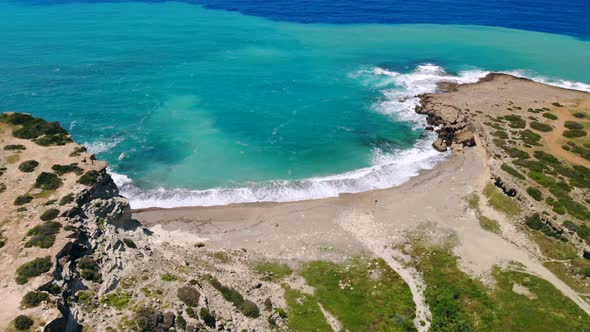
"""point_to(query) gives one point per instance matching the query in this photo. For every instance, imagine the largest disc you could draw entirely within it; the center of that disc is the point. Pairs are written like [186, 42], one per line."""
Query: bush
[556, 104]
[189, 295]
[67, 199]
[48, 181]
[64, 169]
[573, 133]
[33, 299]
[14, 147]
[34, 268]
[580, 115]
[207, 317]
[89, 269]
[31, 127]
[535, 193]
[542, 179]
[58, 139]
[23, 323]
[89, 178]
[506, 168]
[247, 308]
[23, 199]
[129, 243]
[500, 134]
[43, 235]
[573, 125]
[49, 214]
[191, 313]
[534, 222]
[529, 137]
[180, 322]
[515, 121]
[550, 116]
[545, 157]
[541, 127]
[91, 275]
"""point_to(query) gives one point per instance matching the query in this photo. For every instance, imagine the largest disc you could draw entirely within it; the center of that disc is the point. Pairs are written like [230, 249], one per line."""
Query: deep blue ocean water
[197, 106]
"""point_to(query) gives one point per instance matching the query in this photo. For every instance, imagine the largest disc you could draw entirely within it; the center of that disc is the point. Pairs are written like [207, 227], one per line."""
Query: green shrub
[34, 268]
[542, 179]
[91, 275]
[249, 309]
[515, 153]
[33, 299]
[535, 193]
[117, 300]
[573, 125]
[545, 157]
[43, 235]
[515, 121]
[207, 317]
[500, 202]
[233, 296]
[556, 104]
[530, 137]
[541, 127]
[67, 199]
[48, 181]
[582, 230]
[89, 178]
[57, 139]
[550, 116]
[23, 323]
[23, 199]
[14, 147]
[31, 127]
[191, 313]
[49, 214]
[573, 133]
[500, 134]
[180, 322]
[534, 222]
[2, 187]
[129, 243]
[64, 169]
[580, 115]
[506, 168]
[189, 295]
[77, 151]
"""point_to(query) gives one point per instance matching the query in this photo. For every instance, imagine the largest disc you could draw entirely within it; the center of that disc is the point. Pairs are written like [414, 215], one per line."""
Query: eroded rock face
[452, 124]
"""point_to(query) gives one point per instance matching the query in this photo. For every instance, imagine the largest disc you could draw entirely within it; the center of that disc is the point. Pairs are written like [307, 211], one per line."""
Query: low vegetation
[501, 202]
[363, 294]
[117, 300]
[67, 199]
[43, 235]
[23, 323]
[89, 269]
[32, 269]
[64, 169]
[48, 181]
[33, 299]
[272, 271]
[129, 243]
[89, 178]
[23, 199]
[535, 193]
[460, 303]
[14, 147]
[246, 307]
[49, 214]
[28, 166]
[42, 132]
[541, 127]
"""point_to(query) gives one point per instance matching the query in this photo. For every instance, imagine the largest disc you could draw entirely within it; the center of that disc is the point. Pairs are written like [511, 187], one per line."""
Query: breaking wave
[399, 93]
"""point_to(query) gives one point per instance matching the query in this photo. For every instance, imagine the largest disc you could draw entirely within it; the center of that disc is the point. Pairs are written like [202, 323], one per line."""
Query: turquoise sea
[196, 106]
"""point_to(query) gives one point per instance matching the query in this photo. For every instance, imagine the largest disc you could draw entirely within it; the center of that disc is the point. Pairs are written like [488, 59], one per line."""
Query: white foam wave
[399, 100]
[103, 145]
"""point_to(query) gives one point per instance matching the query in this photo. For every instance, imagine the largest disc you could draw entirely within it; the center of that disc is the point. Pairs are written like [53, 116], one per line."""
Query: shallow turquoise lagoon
[193, 106]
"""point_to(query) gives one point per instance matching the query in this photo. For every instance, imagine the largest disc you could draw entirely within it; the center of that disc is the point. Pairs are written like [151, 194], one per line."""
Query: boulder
[440, 145]
[465, 137]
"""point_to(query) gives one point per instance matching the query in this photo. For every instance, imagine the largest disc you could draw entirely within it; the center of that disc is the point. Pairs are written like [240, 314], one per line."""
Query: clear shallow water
[200, 107]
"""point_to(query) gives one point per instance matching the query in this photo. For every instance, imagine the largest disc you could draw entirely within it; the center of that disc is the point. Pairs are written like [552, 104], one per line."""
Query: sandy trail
[364, 228]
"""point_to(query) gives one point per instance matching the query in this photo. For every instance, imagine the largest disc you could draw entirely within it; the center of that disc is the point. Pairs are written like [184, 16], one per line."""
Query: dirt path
[363, 226]
[554, 138]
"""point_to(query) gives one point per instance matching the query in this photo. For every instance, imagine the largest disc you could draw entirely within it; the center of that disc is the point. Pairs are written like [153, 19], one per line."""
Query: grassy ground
[460, 303]
[364, 295]
[501, 202]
